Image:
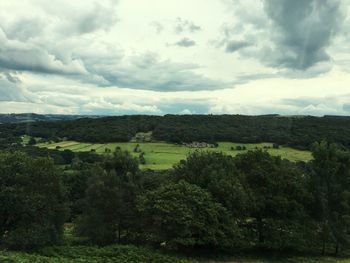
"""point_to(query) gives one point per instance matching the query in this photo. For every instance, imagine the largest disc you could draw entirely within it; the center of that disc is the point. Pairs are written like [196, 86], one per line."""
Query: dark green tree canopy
[108, 208]
[32, 210]
[184, 215]
[331, 187]
[274, 186]
[276, 192]
[217, 173]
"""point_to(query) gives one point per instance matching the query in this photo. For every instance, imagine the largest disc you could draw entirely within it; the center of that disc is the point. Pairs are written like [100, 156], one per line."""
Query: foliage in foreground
[217, 201]
[32, 209]
[211, 201]
[127, 254]
[199, 220]
[108, 208]
[89, 254]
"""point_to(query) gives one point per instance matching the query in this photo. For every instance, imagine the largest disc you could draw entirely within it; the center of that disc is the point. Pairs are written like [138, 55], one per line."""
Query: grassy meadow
[161, 155]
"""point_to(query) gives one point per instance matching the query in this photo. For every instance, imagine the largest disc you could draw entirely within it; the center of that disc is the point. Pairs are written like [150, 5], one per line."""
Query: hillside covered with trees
[294, 131]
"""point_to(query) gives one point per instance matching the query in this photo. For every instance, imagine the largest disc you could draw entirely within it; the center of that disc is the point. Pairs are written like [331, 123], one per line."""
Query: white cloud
[113, 57]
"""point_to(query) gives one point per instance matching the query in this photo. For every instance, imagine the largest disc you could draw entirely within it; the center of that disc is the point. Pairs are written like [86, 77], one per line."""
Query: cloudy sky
[175, 56]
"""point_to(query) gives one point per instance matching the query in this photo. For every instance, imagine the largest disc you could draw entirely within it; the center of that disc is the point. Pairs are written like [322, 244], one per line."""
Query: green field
[160, 155]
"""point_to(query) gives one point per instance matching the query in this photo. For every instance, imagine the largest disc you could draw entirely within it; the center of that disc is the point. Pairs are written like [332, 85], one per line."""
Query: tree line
[296, 131]
[209, 201]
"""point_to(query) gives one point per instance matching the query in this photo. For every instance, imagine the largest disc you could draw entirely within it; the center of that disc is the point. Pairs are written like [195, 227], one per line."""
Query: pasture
[161, 155]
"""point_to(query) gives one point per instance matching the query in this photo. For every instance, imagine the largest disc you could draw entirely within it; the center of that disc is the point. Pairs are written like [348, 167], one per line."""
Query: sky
[116, 57]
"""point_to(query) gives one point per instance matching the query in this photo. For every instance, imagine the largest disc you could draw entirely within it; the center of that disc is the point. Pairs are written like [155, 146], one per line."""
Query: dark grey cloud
[185, 42]
[302, 31]
[233, 46]
[185, 26]
[105, 68]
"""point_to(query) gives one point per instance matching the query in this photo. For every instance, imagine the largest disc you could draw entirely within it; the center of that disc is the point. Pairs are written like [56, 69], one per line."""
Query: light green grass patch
[161, 155]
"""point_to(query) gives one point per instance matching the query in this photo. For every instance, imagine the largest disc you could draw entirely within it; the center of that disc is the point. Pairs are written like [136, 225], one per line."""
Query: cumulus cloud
[112, 57]
[25, 28]
[185, 26]
[48, 42]
[99, 17]
[94, 62]
[178, 26]
[149, 72]
[17, 55]
[9, 91]
[12, 90]
[185, 42]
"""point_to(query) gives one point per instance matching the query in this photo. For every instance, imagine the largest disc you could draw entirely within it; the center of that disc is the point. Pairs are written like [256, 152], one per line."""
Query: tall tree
[276, 191]
[331, 186]
[185, 216]
[217, 173]
[109, 205]
[32, 208]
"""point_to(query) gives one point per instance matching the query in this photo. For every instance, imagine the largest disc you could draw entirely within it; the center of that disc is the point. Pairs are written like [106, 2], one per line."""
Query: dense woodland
[210, 201]
[296, 131]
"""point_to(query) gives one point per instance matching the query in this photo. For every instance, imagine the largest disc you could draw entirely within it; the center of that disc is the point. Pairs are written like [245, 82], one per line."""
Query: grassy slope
[159, 155]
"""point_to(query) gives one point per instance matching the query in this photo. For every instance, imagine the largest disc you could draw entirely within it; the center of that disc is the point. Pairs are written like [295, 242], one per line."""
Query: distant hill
[296, 131]
[32, 117]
